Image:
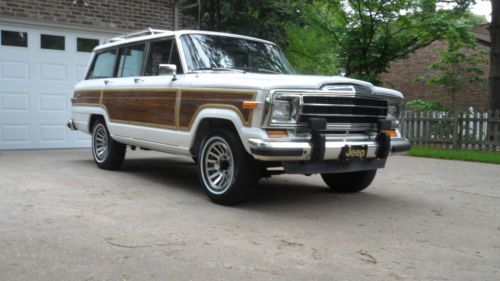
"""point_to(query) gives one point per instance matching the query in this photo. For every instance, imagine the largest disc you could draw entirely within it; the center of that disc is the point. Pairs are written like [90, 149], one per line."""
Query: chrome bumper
[71, 125]
[275, 150]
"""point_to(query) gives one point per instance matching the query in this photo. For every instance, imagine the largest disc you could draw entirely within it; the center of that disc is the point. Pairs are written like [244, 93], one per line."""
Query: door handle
[107, 82]
[138, 80]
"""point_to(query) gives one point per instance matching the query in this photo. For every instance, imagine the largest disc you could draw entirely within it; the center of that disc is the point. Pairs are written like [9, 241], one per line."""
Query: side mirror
[168, 69]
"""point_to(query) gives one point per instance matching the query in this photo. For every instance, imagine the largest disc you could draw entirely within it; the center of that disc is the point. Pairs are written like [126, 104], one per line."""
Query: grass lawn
[465, 155]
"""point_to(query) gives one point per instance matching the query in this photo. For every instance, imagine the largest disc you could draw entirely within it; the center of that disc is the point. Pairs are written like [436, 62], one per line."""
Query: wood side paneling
[156, 108]
[193, 101]
[169, 109]
[88, 97]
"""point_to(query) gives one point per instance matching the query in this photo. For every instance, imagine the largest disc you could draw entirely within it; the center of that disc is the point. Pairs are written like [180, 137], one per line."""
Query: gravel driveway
[61, 218]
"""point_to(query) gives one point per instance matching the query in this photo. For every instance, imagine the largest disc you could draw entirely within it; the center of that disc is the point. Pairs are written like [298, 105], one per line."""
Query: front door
[141, 102]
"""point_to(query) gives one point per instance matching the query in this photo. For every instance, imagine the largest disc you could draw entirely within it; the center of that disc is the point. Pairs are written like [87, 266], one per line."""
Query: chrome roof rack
[144, 32]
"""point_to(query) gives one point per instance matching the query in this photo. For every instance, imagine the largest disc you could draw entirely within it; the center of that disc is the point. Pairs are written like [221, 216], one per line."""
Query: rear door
[121, 98]
[155, 107]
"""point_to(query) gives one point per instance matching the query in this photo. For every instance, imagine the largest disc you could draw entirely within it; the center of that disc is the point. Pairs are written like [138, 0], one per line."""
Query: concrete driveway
[61, 218]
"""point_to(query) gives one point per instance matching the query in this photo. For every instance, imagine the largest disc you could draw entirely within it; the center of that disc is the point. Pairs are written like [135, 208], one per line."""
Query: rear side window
[162, 52]
[104, 65]
[130, 61]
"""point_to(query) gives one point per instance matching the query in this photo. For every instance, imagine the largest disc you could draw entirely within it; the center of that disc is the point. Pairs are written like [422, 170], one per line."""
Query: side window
[159, 54]
[163, 52]
[130, 61]
[175, 59]
[104, 65]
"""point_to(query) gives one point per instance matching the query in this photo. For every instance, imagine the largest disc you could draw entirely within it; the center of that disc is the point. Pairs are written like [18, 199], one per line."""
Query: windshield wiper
[218, 69]
[261, 70]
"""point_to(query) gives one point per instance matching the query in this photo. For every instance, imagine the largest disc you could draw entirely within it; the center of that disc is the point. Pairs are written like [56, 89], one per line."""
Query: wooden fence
[473, 130]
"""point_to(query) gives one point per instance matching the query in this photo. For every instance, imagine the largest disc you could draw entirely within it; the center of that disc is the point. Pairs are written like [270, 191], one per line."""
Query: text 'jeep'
[234, 104]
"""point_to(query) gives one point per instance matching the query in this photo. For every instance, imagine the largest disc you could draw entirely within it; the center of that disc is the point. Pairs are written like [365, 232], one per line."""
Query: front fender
[244, 131]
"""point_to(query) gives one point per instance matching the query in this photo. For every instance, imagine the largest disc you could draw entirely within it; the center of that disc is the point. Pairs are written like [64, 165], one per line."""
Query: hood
[276, 81]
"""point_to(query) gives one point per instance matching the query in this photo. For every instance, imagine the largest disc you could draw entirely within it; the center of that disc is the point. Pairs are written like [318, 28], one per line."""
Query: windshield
[222, 53]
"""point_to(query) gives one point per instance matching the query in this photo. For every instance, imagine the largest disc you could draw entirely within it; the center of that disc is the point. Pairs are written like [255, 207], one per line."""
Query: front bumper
[276, 150]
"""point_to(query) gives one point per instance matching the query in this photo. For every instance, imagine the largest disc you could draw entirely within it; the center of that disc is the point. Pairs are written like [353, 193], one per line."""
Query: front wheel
[349, 182]
[108, 153]
[226, 171]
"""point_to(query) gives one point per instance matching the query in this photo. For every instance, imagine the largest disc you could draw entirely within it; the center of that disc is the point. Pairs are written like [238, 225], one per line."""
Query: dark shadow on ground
[275, 193]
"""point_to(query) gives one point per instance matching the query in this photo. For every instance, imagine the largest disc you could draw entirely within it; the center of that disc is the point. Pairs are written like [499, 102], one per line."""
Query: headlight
[285, 109]
[282, 111]
[394, 111]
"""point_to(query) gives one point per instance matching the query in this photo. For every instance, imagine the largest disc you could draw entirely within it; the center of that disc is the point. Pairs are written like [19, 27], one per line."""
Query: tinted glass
[163, 53]
[14, 38]
[175, 59]
[204, 52]
[86, 45]
[52, 42]
[159, 54]
[104, 65]
[131, 61]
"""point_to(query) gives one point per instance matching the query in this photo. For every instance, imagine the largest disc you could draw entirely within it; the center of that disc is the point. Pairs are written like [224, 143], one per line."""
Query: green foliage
[322, 36]
[419, 105]
[260, 18]
[367, 35]
[464, 155]
[310, 52]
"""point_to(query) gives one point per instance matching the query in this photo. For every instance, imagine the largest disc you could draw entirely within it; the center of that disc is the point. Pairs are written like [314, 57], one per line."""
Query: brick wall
[123, 14]
[403, 75]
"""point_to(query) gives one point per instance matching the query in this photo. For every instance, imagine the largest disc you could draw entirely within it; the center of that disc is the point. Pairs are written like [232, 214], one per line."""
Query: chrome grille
[343, 110]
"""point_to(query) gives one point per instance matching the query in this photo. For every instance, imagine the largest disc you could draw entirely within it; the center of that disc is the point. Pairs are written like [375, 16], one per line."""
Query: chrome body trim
[71, 125]
[332, 148]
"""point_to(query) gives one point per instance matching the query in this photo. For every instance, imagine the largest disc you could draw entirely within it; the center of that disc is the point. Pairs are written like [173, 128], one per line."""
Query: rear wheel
[226, 171]
[108, 153]
[349, 182]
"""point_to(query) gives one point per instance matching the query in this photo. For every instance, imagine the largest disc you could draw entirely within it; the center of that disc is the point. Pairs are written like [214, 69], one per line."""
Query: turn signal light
[277, 133]
[391, 133]
[250, 104]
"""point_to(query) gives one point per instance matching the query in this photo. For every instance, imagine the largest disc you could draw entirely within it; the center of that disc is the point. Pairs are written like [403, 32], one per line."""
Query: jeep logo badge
[355, 153]
[358, 152]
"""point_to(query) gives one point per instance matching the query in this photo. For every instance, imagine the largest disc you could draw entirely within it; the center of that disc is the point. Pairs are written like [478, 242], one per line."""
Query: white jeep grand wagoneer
[234, 104]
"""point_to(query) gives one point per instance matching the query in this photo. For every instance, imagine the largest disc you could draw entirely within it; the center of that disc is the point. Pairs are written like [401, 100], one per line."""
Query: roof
[482, 34]
[149, 34]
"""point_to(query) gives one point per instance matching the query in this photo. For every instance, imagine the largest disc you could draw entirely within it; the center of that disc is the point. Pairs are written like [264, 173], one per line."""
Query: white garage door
[38, 70]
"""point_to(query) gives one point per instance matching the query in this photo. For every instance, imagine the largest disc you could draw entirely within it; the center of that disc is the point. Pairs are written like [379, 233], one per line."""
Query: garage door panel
[14, 70]
[53, 72]
[53, 133]
[14, 102]
[53, 103]
[15, 134]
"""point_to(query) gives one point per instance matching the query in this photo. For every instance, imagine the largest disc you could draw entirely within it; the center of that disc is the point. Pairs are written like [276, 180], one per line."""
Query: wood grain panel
[193, 100]
[148, 107]
[87, 97]
[165, 108]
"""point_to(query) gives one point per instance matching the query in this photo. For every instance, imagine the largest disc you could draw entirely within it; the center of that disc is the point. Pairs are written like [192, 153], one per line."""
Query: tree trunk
[495, 56]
